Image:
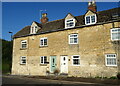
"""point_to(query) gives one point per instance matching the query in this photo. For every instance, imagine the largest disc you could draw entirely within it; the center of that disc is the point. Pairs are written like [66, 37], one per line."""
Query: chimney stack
[92, 6]
[44, 18]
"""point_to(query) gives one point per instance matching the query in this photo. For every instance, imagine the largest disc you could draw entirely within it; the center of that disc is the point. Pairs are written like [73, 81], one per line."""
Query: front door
[64, 64]
[52, 63]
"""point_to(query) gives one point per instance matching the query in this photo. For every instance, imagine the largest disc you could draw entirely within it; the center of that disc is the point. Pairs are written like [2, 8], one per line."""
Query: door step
[64, 74]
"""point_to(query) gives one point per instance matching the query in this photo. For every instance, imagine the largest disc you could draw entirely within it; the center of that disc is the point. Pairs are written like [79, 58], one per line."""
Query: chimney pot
[44, 18]
[92, 6]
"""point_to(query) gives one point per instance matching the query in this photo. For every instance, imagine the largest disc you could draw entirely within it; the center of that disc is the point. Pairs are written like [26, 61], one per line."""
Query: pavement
[8, 80]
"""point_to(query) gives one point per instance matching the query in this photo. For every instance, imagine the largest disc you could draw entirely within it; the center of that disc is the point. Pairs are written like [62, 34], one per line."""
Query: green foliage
[6, 55]
[113, 77]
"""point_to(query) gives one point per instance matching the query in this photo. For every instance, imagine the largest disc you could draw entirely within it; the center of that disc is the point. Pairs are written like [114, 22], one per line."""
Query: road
[24, 81]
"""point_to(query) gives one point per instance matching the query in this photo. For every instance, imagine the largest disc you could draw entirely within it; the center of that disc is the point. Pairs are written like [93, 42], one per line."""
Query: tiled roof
[102, 16]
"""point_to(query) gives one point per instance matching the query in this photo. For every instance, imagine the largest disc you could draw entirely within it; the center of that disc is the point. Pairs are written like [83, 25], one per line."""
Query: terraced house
[82, 46]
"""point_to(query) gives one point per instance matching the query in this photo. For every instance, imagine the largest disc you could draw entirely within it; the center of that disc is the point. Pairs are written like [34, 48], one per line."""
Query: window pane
[88, 19]
[76, 61]
[41, 59]
[45, 59]
[75, 40]
[75, 56]
[45, 41]
[24, 45]
[41, 41]
[93, 19]
[71, 40]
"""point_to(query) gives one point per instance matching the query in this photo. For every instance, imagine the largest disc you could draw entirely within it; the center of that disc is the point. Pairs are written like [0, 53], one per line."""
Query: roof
[102, 16]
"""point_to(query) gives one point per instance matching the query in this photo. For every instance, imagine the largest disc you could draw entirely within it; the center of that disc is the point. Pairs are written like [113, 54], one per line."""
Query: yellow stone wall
[94, 43]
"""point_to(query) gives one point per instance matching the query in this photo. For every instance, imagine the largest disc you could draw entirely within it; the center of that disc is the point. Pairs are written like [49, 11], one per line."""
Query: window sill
[23, 48]
[111, 65]
[22, 64]
[43, 64]
[75, 65]
[42, 46]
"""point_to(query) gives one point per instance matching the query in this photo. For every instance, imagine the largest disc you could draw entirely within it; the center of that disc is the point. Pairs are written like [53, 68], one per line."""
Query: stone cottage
[82, 46]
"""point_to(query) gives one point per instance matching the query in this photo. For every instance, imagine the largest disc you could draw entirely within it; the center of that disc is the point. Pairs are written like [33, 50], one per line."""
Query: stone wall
[94, 43]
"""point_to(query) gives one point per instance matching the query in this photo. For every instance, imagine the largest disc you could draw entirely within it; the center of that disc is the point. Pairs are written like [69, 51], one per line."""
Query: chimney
[92, 6]
[44, 18]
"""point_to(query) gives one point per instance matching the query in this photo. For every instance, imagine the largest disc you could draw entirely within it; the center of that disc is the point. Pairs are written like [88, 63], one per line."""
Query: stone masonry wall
[94, 43]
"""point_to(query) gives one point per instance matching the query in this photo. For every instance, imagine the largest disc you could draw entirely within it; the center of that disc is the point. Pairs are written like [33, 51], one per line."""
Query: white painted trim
[72, 60]
[110, 57]
[61, 63]
[43, 59]
[66, 23]
[22, 43]
[43, 41]
[73, 37]
[21, 57]
[114, 32]
[91, 20]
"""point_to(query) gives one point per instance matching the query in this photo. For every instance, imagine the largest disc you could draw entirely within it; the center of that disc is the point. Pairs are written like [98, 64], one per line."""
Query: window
[73, 39]
[90, 19]
[34, 29]
[24, 44]
[43, 41]
[69, 23]
[23, 60]
[111, 60]
[76, 60]
[115, 34]
[43, 60]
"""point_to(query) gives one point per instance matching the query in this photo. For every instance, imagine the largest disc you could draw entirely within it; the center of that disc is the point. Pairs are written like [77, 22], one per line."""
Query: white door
[64, 64]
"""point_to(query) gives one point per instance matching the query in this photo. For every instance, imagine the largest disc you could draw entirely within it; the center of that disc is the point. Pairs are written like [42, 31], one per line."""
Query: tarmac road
[24, 81]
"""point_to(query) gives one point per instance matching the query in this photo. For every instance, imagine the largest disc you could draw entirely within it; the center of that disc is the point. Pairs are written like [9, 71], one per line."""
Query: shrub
[113, 77]
[56, 71]
[118, 75]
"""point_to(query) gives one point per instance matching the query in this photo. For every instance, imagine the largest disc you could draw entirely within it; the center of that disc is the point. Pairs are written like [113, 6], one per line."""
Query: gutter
[50, 31]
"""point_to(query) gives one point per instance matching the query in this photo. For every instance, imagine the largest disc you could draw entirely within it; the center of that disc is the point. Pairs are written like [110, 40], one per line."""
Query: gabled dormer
[34, 28]
[90, 16]
[70, 21]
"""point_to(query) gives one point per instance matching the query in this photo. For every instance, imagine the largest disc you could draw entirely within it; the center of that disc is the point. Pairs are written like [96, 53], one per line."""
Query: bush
[118, 75]
[113, 77]
[56, 71]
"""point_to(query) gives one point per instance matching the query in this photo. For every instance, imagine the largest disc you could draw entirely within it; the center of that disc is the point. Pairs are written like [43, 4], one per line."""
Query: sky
[17, 15]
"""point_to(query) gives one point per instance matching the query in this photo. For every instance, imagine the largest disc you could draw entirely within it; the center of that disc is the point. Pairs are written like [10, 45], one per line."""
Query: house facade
[82, 46]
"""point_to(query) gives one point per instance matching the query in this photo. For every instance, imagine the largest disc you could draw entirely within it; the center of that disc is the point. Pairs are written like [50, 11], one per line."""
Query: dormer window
[34, 29]
[69, 23]
[91, 19]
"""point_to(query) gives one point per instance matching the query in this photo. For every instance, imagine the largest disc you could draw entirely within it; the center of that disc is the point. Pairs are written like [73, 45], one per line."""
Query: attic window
[33, 29]
[90, 19]
[69, 23]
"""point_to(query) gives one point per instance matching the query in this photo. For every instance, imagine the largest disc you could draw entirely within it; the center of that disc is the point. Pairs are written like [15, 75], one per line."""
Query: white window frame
[73, 37]
[115, 32]
[75, 58]
[33, 29]
[21, 58]
[106, 57]
[66, 22]
[90, 19]
[22, 42]
[43, 60]
[43, 41]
